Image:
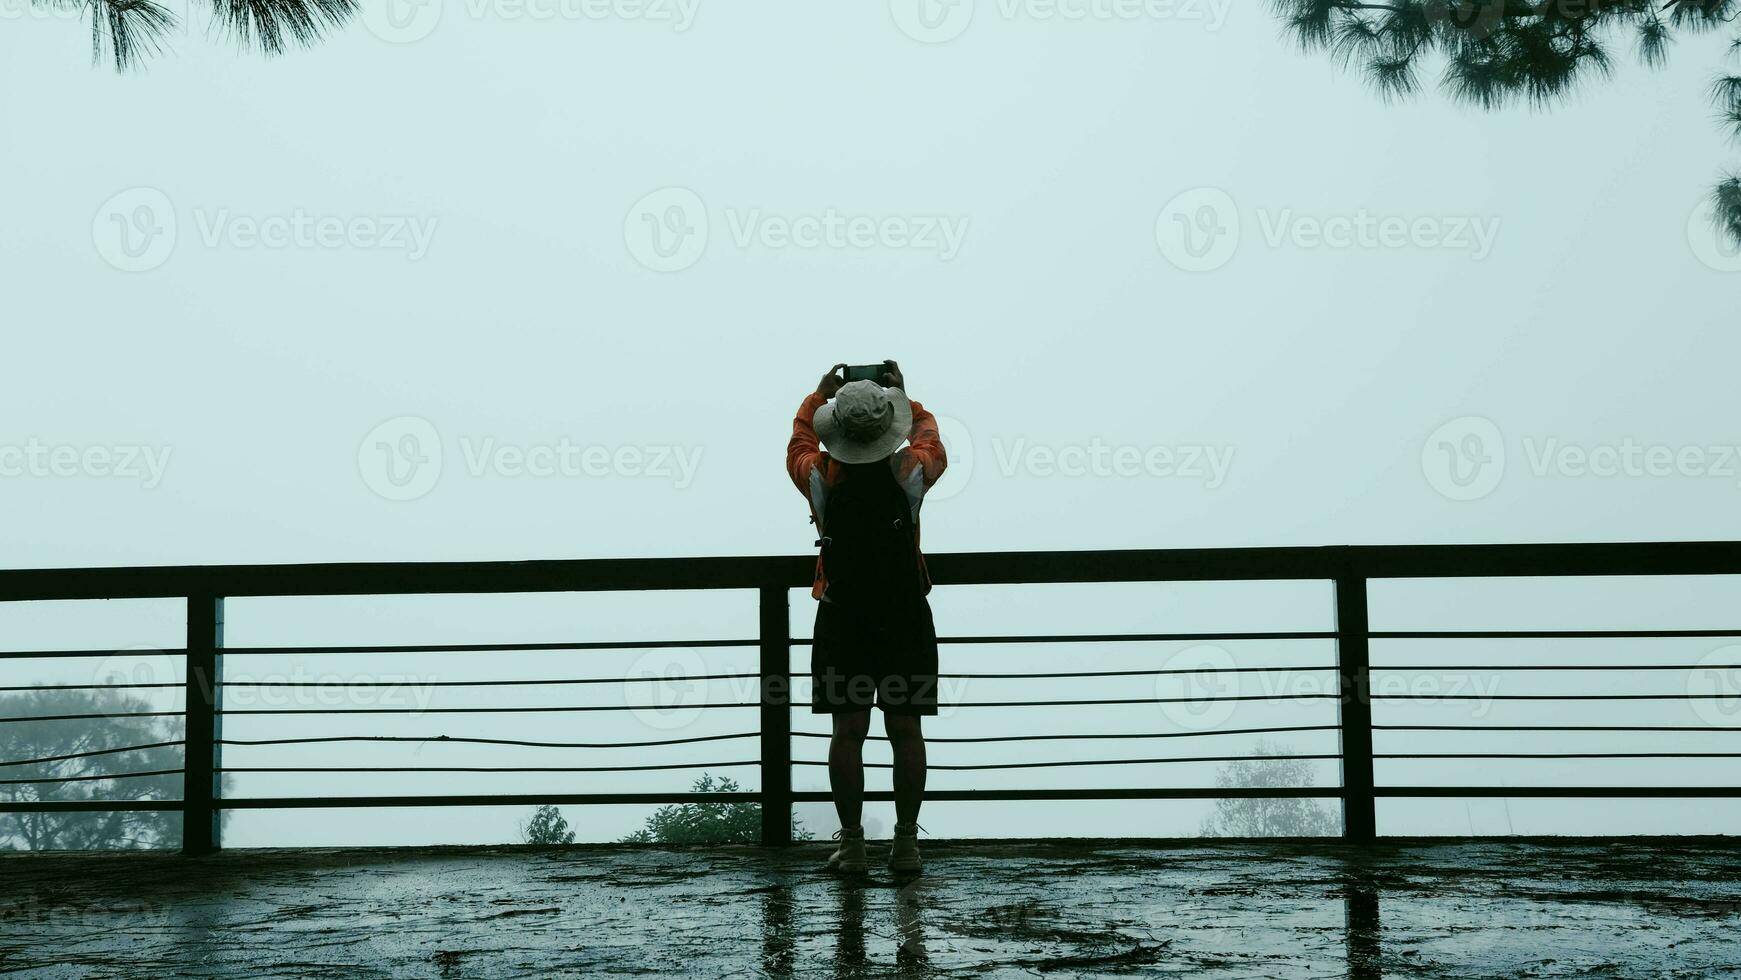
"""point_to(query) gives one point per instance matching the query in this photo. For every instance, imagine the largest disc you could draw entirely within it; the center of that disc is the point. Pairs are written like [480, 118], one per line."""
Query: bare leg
[908, 742]
[846, 765]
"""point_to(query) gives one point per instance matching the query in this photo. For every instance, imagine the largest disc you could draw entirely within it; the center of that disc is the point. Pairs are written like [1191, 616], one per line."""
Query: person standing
[875, 643]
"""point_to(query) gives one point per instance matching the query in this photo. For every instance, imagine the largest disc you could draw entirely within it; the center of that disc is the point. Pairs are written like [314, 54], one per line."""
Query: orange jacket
[917, 466]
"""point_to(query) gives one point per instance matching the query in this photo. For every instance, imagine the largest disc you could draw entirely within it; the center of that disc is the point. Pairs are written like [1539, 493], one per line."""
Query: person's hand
[831, 381]
[892, 377]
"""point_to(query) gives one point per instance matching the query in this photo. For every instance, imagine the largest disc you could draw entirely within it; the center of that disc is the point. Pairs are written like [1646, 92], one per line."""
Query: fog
[470, 282]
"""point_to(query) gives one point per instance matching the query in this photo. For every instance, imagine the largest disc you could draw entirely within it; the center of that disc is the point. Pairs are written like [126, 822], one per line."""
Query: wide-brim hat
[865, 422]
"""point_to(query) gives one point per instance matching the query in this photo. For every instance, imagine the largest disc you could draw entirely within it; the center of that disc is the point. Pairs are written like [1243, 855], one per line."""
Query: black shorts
[885, 655]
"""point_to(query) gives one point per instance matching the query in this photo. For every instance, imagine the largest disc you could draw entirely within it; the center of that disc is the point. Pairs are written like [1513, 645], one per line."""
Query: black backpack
[868, 552]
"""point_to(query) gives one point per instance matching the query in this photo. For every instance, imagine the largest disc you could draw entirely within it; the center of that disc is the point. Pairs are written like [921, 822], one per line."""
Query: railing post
[776, 698]
[200, 813]
[1359, 809]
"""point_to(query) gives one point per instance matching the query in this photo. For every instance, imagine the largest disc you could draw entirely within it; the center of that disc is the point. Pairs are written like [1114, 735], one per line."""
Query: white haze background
[522, 147]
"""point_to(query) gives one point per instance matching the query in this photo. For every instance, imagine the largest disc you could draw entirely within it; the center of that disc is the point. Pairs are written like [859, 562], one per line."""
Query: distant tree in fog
[1268, 816]
[89, 747]
[546, 826]
[708, 823]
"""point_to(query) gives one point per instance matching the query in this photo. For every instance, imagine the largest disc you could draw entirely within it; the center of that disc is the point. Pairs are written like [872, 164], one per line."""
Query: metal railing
[1349, 568]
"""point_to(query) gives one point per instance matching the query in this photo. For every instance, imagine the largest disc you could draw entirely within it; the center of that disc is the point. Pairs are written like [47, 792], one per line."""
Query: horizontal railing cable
[408, 769]
[735, 676]
[749, 762]
[744, 675]
[91, 754]
[1283, 758]
[497, 647]
[517, 709]
[1545, 634]
[486, 683]
[1207, 700]
[537, 709]
[91, 779]
[1143, 637]
[483, 741]
[939, 766]
[1086, 762]
[1556, 755]
[1065, 763]
[1121, 637]
[1555, 728]
[1146, 673]
[94, 687]
[50, 654]
[87, 717]
[1099, 735]
[1556, 697]
[1471, 667]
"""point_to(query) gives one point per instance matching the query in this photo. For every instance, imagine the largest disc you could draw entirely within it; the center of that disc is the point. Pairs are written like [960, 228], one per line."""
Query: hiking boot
[904, 851]
[848, 858]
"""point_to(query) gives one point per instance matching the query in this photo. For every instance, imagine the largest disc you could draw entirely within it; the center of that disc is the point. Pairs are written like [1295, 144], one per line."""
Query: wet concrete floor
[1622, 908]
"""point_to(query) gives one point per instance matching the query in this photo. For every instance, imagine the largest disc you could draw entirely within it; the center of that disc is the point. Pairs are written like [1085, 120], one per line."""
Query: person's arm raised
[804, 449]
[925, 445]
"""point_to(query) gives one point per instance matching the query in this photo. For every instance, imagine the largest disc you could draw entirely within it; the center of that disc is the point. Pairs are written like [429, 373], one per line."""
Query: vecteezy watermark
[1209, 464]
[668, 230]
[958, 450]
[407, 21]
[34, 10]
[1194, 685]
[301, 688]
[668, 689]
[1094, 458]
[1714, 686]
[136, 230]
[1465, 459]
[410, 234]
[403, 459]
[1476, 19]
[937, 21]
[1710, 243]
[36, 459]
[1199, 230]
[1200, 687]
[140, 668]
[485, 456]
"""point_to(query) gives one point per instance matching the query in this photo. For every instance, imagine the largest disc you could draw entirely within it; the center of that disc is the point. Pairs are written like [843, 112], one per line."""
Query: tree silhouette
[128, 31]
[1268, 816]
[546, 826]
[708, 823]
[1495, 52]
[88, 747]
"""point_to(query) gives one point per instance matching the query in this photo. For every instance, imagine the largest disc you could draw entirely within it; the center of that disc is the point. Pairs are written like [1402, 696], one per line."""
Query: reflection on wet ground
[1626, 908]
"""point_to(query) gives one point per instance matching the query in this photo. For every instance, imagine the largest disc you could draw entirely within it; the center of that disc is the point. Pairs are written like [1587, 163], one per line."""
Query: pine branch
[1653, 41]
[270, 25]
[1726, 201]
[130, 29]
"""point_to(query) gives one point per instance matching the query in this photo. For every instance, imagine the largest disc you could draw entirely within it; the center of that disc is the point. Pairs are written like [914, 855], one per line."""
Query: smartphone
[867, 372]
